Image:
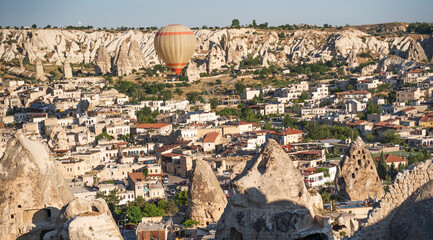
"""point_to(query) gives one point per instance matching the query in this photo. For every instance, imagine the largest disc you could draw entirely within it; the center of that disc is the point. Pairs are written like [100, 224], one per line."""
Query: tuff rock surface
[84, 219]
[268, 200]
[67, 70]
[357, 177]
[32, 191]
[36, 202]
[192, 72]
[206, 200]
[413, 219]
[39, 69]
[120, 52]
[405, 210]
[102, 61]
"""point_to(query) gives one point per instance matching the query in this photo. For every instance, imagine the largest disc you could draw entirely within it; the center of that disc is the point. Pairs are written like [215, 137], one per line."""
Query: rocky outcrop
[427, 45]
[217, 47]
[32, 191]
[39, 70]
[128, 58]
[67, 70]
[268, 200]
[206, 200]
[352, 60]
[407, 48]
[405, 210]
[102, 61]
[84, 219]
[58, 138]
[357, 177]
[192, 72]
[413, 219]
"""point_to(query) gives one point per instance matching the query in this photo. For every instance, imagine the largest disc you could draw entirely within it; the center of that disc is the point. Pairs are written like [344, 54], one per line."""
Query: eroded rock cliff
[32, 191]
[218, 48]
[206, 200]
[269, 200]
[357, 177]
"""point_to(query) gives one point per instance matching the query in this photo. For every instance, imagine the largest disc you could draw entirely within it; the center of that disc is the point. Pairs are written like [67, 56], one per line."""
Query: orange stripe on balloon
[174, 33]
[175, 64]
[177, 70]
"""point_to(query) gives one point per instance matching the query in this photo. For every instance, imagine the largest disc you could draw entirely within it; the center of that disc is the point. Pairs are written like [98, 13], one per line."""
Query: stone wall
[404, 185]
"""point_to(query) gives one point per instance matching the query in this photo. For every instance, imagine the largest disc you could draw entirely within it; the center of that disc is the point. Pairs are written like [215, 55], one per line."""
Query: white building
[319, 92]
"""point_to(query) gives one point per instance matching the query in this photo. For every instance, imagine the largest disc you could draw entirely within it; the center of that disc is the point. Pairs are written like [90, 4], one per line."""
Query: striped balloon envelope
[175, 44]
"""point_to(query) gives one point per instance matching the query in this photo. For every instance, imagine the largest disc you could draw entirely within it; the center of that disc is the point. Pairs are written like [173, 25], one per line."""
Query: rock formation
[405, 212]
[33, 195]
[413, 219]
[352, 60]
[67, 70]
[58, 138]
[357, 177]
[102, 61]
[84, 219]
[128, 58]
[217, 48]
[32, 191]
[39, 69]
[268, 201]
[192, 72]
[206, 200]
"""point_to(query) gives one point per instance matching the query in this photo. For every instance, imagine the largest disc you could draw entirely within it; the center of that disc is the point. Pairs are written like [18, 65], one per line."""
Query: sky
[197, 13]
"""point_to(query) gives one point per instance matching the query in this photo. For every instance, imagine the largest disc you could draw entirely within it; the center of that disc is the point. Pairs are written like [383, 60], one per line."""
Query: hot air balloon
[175, 45]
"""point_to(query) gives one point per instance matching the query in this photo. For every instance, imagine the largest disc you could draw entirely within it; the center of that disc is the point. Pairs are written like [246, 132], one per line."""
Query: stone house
[210, 141]
[392, 159]
[143, 187]
[287, 136]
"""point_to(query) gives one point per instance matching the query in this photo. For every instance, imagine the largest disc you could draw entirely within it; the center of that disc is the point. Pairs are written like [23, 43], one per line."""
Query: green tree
[169, 206]
[254, 23]
[289, 122]
[151, 210]
[194, 97]
[166, 95]
[214, 103]
[112, 200]
[303, 96]
[235, 23]
[296, 108]
[349, 87]
[34, 26]
[391, 137]
[382, 168]
[240, 88]
[103, 135]
[326, 197]
[411, 159]
[392, 171]
[134, 214]
[145, 115]
[146, 172]
[181, 198]
[370, 137]
[189, 223]
[372, 108]
[178, 91]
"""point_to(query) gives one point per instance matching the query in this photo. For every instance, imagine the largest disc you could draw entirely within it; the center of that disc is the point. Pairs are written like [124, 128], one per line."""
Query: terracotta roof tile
[211, 137]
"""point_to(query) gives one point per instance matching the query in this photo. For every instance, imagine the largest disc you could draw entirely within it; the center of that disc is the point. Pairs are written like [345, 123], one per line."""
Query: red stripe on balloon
[174, 33]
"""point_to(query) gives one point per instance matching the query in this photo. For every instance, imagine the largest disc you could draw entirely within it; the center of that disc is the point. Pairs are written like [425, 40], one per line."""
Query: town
[142, 138]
